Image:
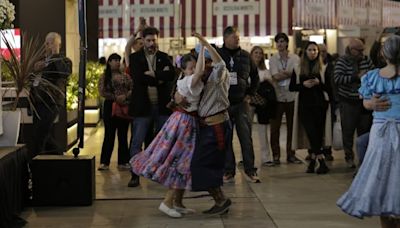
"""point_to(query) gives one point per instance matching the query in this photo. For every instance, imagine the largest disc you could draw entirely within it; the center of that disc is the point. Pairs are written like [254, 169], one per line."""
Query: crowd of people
[186, 116]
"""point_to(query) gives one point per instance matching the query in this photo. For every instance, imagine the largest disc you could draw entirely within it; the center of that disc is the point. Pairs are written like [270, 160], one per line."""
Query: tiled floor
[286, 198]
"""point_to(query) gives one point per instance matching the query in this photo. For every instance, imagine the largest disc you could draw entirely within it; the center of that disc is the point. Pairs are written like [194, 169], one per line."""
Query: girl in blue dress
[375, 190]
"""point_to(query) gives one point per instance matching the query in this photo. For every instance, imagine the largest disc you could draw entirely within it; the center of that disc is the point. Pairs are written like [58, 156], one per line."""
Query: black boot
[134, 182]
[311, 166]
[322, 169]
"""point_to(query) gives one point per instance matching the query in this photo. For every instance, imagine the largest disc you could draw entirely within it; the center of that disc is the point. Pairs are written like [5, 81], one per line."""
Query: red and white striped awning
[391, 14]
[120, 18]
[253, 18]
[110, 18]
[315, 14]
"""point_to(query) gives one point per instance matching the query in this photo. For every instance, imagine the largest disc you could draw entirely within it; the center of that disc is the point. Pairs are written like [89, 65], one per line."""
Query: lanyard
[284, 63]
[231, 63]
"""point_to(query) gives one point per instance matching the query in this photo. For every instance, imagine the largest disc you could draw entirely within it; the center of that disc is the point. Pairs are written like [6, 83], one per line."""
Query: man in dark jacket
[152, 74]
[48, 95]
[241, 69]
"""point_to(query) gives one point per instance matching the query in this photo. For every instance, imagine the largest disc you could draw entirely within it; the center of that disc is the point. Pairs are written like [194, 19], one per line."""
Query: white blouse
[192, 94]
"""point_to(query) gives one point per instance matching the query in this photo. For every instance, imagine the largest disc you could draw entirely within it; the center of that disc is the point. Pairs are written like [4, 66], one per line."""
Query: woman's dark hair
[107, 71]
[185, 59]
[305, 61]
[391, 51]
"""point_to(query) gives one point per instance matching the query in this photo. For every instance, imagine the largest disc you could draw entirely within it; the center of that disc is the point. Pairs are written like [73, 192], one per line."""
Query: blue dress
[375, 190]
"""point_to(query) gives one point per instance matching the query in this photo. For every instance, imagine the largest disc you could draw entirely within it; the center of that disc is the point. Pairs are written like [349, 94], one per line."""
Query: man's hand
[150, 73]
[377, 103]
[181, 100]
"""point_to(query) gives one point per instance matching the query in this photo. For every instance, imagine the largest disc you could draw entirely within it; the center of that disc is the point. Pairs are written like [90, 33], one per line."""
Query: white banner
[238, 8]
[110, 11]
[153, 10]
[345, 12]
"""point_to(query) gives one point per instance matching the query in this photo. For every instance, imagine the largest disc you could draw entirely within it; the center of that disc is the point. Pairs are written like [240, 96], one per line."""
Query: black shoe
[293, 159]
[311, 166]
[219, 210]
[322, 169]
[134, 182]
[277, 162]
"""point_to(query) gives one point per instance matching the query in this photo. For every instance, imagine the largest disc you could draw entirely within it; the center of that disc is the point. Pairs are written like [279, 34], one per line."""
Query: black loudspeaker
[59, 180]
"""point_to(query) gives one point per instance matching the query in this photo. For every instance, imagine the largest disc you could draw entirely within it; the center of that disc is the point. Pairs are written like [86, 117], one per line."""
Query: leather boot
[322, 169]
[311, 166]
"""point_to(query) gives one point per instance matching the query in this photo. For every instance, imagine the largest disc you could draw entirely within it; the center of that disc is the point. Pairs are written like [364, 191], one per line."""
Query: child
[167, 159]
[374, 191]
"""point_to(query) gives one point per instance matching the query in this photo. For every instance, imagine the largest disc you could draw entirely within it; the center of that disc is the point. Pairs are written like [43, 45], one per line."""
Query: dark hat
[281, 35]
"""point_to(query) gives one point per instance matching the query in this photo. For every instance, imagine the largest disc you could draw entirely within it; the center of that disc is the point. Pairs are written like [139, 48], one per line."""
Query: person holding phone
[311, 104]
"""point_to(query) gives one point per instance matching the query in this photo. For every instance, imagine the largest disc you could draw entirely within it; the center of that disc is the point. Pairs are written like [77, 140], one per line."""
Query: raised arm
[216, 58]
[199, 71]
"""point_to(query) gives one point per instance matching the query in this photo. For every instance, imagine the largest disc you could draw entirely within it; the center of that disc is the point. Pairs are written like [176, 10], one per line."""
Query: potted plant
[7, 16]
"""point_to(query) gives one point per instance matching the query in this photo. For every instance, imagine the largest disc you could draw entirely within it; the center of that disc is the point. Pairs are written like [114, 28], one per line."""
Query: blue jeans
[240, 117]
[140, 127]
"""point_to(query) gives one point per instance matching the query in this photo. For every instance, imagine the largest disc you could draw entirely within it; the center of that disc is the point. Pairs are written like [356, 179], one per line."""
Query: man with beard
[152, 74]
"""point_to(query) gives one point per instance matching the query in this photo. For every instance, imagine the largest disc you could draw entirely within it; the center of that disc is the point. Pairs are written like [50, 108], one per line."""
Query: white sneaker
[103, 167]
[184, 210]
[169, 211]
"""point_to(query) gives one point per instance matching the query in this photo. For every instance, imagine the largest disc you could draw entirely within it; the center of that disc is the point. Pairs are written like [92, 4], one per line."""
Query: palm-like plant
[22, 70]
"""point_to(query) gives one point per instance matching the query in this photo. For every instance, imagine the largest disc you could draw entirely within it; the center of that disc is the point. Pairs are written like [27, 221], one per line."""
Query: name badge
[233, 78]
[284, 83]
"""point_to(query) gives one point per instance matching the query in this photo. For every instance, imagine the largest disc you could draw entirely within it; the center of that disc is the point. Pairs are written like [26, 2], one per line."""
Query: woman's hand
[309, 83]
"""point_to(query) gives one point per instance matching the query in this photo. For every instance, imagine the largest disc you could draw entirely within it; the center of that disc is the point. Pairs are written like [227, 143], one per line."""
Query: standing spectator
[264, 111]
[55, 69]
[311, 104]
[348, 71]
[282, 65]
[374, 191]
[152, 75]
[241, 69]
[114, 86]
